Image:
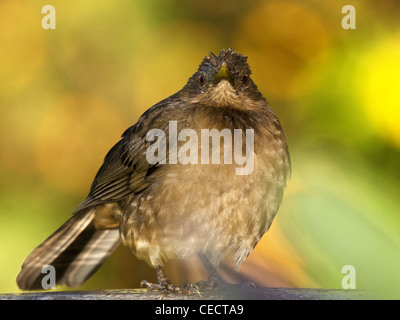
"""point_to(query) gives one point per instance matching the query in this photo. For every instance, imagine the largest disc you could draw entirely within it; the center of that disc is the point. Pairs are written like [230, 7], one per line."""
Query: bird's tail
[76, 251]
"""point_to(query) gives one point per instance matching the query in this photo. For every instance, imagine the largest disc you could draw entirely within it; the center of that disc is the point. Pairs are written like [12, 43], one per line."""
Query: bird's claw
[168, 287]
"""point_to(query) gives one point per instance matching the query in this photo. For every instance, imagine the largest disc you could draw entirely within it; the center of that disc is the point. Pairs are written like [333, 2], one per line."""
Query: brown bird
[170, 189]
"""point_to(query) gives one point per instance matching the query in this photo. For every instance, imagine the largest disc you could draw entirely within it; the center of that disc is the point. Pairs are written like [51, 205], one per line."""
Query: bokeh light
[378, 84]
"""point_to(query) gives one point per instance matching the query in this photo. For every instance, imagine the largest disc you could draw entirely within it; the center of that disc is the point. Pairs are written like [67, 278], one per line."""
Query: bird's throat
[223, 94]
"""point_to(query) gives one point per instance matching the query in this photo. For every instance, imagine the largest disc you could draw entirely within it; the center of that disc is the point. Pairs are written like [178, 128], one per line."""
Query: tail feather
[76, 250]
[97, 250]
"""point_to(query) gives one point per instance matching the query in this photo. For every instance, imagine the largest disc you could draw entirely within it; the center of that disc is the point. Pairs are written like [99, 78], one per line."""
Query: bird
[202, 172]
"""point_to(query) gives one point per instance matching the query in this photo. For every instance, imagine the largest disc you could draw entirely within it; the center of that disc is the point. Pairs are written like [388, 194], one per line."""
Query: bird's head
[222, 80]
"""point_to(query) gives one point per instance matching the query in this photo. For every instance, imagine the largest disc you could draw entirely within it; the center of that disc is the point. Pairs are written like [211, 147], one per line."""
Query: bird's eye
[245, 79]
[201, 79]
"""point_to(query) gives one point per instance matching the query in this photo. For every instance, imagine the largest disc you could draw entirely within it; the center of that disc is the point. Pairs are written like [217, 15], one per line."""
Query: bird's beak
[223, 74]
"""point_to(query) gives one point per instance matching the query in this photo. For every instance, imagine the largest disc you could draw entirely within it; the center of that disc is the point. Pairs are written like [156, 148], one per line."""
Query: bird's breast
[201, 203]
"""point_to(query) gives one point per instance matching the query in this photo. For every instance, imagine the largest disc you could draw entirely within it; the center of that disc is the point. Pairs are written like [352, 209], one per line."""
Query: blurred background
[66, 96]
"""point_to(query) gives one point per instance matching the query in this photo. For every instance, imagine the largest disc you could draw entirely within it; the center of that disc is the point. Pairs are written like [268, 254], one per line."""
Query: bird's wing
[125, 170]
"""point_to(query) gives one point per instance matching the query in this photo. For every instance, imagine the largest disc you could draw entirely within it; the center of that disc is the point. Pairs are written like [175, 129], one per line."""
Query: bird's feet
[214, 283]
[165, 286]
[248, 285]
[168, 287]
